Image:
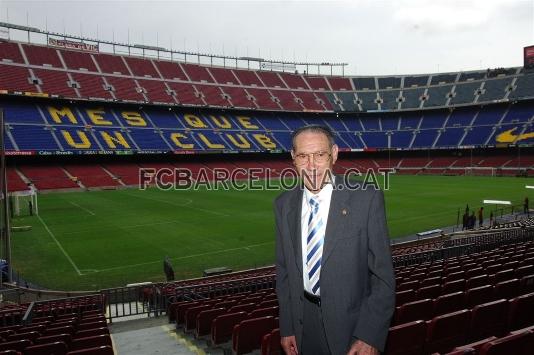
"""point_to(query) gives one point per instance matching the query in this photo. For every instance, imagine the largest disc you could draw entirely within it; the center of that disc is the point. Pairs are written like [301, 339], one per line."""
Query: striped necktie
[314, 245]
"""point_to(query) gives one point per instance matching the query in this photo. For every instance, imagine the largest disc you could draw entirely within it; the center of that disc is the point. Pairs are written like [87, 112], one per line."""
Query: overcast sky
[374, 37]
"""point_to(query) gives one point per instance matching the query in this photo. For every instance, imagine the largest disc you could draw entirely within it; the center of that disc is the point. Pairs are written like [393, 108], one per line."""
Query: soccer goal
[24, 203]
[480, 171]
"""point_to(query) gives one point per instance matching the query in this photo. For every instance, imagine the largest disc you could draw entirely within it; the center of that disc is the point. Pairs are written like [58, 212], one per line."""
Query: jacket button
[300, 321]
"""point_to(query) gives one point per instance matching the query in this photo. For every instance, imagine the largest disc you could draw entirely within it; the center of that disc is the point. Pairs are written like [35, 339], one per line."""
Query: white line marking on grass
[60, 247]
[83, 208]
[188, 256]
[186, 205]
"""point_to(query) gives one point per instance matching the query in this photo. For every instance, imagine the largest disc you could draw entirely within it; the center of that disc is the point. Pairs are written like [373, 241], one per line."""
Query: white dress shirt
[325, 195]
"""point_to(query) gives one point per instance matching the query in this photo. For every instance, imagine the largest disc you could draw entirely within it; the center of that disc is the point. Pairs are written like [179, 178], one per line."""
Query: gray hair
[314, 129]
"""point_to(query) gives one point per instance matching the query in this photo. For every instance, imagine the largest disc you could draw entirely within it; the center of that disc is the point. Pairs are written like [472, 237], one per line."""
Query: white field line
[83, 208]
[186, 205]
[187, 256]
[60, 247]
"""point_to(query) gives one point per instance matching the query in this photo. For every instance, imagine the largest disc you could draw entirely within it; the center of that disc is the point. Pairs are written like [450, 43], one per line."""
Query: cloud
[446, 16]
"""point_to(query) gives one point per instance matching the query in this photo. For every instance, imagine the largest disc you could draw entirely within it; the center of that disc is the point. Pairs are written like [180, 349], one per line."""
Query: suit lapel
[337, 221]
[294, 220]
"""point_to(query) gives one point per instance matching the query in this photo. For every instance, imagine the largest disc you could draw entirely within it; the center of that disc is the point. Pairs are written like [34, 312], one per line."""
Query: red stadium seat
[18, 345]
[474, 346]
[247, 336]
[90, 342]
[99, 350]
[479, 295]
[432, 291]
[204, 319]
[449, 303]
[406, 339]
[516, 344]
[521, 312]
[489, 319]
[447, 331]
[270, 344]
[56, 348]
[417, 310]
[477, 281]
[222, 326]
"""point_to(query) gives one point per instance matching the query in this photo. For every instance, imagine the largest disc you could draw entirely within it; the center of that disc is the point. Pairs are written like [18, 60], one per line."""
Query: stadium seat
[402, 297]
[69, 329]
[270, 344]
[90, 342]
[56, 348]
[99, 350]
[521, 311]
[525, 270]
[91, 332]
[412, 311]
[516, 344]
[449, 303]
[65, 338]
[191, 316]
[248, 334]
[479, 295]
[507, 289]
[432, 291]
[18, 345]
[21, 336]
[223, 325]
[447, 331]
[473, 346]
[477, 281]
[406, 339]
[244, 307]
[489, 319]
[527, 284]
[453, 286]
[262, 312]
[463, 351]
[180, 310]
[204, 319]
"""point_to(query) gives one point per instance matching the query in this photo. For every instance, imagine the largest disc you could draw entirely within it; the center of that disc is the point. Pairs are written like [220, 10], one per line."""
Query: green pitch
[99, 239]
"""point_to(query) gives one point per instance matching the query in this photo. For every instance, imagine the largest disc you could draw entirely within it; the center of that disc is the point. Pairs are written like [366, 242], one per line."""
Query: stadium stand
[58, 71]
[464, 293]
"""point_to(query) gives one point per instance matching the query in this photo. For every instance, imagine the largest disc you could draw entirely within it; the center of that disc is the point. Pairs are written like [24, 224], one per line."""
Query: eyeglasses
[318, 157]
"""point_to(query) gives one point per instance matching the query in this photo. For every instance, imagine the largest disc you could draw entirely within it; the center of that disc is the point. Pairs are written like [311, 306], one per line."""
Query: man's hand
[289, 344]
[361, 348]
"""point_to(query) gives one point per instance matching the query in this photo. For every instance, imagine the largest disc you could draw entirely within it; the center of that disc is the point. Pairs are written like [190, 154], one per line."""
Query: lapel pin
[344, 212]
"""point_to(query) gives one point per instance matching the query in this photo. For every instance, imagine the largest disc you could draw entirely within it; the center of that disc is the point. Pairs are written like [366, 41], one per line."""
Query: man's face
[314, 159]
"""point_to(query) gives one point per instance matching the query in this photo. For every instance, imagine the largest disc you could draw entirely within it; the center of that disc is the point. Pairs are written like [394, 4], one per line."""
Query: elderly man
[334, 275]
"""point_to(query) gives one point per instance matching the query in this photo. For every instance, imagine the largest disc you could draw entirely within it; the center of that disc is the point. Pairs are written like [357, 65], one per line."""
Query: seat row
[443, 332]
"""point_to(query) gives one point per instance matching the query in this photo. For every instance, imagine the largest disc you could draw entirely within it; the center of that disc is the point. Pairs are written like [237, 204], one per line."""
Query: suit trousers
[314, 340]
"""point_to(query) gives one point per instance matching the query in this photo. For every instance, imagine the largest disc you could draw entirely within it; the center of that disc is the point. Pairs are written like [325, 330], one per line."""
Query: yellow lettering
[58, 114]
[113, 141]
[265, 141]
[209, 144]
[224, 124]
[84, 141]
[194, 121]
[97, 117]
[134, 118]
[245, 122]
[175, 137]
[244, 143]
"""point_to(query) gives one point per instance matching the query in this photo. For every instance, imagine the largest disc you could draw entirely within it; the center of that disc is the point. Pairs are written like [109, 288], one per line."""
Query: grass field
[99, 239]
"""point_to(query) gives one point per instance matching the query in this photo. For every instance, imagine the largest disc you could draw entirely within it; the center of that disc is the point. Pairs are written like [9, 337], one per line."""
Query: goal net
[24, 203]
[481, 171]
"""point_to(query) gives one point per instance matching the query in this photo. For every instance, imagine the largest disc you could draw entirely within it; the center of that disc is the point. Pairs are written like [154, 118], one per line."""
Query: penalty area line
[60, 247]
[247, 247]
